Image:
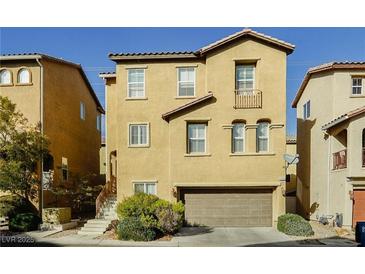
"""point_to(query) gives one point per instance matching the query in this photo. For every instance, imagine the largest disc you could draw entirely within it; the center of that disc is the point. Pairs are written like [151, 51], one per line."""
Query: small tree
[21, 148]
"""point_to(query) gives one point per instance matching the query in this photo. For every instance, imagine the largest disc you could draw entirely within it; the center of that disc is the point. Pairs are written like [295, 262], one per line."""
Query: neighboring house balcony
[340, 159]
[245, 99]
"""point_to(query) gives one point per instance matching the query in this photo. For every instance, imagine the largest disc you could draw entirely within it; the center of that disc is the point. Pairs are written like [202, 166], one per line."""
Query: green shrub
[293, 224]
[152, 213]
[24, 222]
[132, 228]
[136, 206]
[13, 204]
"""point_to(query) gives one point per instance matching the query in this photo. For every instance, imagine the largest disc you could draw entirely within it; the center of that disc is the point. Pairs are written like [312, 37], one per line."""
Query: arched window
[5, 77]
[23, 76]
[238, 137]
[262, 136]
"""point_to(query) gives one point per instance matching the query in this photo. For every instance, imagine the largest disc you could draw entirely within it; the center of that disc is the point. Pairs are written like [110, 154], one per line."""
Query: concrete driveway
[255, 236]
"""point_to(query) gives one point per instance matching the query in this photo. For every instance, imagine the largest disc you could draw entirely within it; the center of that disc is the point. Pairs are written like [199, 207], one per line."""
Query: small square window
[145, 187]
[138, 135]
[357, 86]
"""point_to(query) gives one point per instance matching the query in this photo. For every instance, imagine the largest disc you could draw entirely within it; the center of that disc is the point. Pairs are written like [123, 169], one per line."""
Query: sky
[90, 48]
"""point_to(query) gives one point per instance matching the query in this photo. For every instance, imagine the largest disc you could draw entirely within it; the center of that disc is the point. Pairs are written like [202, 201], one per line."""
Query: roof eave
[151, 57]
[166, 116]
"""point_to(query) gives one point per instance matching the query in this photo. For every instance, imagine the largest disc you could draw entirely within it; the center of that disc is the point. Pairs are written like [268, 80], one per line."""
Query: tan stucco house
[206, 127]
[330, 107]
[57, 94]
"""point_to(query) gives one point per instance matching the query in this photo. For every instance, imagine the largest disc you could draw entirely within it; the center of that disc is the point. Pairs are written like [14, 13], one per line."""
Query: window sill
[25, 84]
[185, 97]
[6, 85]
[138, 146]
[135, 98]
[357, 96]
[252, 154]
[198, 155]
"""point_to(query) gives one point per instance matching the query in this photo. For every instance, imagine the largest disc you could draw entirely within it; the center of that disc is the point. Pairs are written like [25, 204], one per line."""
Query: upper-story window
[357, 86]
[245, 78]
[238, 138]
[82, 111]
[136, 83]
[197, 138]
[262, 135]
[5, 77]
[24, 76]
[306, 110]
[186, 82]
[138, 135]
[98, 122]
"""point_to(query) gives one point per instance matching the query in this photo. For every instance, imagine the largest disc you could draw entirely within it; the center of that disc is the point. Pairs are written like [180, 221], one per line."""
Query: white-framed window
[5, 77]
[245, 78]
[145, 187]
[186, 81]
[64, 169]
[98, 122]
[82, 111]
[136, 83]
[306, 110]
[24, 76]
[238, 138]
[197, 138]
[357, 86]
[262, 137]
[138, 134]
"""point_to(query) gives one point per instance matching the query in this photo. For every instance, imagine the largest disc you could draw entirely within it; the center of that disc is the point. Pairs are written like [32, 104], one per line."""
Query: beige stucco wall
[64, 88]
[291, 149]
[164, 160]
[321, 190]
[26, 97]
[71, 137]
[102, 160]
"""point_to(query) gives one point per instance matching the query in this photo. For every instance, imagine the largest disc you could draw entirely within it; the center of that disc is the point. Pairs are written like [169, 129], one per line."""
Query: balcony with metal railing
[246, 99]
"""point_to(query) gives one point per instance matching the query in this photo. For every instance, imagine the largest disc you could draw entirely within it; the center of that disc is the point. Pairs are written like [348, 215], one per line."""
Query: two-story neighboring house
[331, 139]
[57, 94]
[205, 127]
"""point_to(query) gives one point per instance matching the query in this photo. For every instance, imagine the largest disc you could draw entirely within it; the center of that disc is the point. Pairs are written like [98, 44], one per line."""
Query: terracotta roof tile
[326, 67]
[20, 56]
[200, 52]
[344, 117]
[166, 116]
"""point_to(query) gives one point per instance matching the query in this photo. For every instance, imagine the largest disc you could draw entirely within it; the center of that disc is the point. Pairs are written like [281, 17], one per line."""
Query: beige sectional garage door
[230, 208]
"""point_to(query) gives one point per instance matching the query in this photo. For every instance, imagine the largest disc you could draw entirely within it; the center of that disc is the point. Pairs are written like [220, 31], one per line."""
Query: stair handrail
[110, 188]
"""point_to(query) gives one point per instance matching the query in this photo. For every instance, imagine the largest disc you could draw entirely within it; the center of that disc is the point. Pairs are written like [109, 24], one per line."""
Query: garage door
[230, 208]
[359, 206]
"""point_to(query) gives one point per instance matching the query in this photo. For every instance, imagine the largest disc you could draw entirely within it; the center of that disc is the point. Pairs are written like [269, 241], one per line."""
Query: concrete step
[93, 229]
[96, 225]
[98, 221]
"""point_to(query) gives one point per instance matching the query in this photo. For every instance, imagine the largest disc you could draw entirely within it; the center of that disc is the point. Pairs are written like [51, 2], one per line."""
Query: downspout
[42, 132]
[328, 174]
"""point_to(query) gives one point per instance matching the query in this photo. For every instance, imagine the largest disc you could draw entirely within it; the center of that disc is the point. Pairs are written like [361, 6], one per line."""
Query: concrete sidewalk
[187, 237]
